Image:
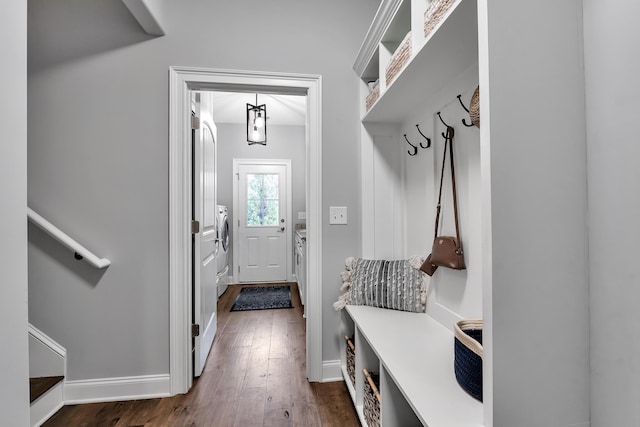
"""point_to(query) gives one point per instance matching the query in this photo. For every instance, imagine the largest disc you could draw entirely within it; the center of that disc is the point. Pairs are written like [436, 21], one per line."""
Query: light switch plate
[302, 215]
[337, 215]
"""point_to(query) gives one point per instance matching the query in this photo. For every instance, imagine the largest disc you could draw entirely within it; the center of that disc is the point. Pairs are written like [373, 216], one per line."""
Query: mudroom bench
[413, 354]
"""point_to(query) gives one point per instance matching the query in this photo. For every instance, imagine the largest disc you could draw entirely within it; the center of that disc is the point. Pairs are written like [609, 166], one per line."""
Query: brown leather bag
[427, 267]
[446, 250]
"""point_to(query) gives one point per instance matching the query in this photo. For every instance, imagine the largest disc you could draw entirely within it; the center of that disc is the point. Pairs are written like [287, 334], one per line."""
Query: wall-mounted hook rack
[425, 137]
[464, 121]
[443, 122]
[415, 147]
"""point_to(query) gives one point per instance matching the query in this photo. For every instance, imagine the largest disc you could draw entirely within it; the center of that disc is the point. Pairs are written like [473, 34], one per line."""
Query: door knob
[281, 230]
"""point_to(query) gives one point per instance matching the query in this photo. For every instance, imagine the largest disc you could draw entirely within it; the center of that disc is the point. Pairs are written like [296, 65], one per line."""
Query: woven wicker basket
[373, 95]
[434, 14]
[468, 356]
[372, 398]
[351, 360]
[474, 107]
[399, 59]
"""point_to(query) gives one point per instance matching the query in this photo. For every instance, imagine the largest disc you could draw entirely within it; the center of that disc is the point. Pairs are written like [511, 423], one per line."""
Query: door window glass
[263, 199]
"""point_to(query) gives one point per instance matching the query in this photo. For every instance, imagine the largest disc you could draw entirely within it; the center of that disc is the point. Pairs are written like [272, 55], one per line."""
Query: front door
[205, 244]
[262, 220]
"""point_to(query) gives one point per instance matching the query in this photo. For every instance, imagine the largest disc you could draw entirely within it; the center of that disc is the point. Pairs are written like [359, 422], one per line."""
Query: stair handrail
[80, 251]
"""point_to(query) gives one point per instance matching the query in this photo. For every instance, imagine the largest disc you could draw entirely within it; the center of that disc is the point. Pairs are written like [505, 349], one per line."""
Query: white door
[262, 198]
[205, 244]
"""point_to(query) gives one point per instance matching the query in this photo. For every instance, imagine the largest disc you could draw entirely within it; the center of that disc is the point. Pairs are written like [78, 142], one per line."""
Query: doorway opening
[182, 82]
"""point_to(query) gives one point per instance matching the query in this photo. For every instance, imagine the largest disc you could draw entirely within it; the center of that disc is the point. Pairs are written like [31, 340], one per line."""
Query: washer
[224, 246]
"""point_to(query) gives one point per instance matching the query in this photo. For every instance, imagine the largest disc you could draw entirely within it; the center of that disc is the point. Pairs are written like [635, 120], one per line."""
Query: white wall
[14, 361]
[454, 294]
[98, 159]
[612, 65]
[283, 142]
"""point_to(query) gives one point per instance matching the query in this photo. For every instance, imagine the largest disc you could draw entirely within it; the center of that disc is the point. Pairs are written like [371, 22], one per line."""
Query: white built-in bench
[414, 355]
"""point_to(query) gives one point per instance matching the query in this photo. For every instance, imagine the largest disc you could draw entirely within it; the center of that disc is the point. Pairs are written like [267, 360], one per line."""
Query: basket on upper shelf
[372, 398]
[468, 356]
[434, 14]
[373, 95]
[351, 360]
[399, 59]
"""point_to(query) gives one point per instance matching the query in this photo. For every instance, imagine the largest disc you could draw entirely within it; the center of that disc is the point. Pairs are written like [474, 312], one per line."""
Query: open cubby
[400, 24]
[366, 358]
[396, 411]
[347, 329]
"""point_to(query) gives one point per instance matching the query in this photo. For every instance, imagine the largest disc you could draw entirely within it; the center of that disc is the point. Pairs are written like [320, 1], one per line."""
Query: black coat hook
[425, 137]
[449, 134]
[440, 117]
[464, 121]
[415, 147]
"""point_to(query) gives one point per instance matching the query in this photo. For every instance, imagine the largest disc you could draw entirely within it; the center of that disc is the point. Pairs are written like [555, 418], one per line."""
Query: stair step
[39, 386]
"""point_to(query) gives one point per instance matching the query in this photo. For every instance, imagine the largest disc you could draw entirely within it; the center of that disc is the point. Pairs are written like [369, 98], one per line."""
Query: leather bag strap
[438, 206]
[448, 141]
[453, 186]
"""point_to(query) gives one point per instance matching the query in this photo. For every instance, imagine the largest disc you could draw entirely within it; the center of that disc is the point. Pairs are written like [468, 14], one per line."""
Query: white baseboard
[116, 389]
[46, 405]
[331, 371]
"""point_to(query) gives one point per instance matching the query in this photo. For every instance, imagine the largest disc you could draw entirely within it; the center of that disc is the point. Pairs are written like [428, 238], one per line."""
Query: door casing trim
[181, 81]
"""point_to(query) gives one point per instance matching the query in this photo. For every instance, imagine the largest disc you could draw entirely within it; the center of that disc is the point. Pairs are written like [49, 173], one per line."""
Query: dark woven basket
[372, 398]
[468, 356]
[351, 360]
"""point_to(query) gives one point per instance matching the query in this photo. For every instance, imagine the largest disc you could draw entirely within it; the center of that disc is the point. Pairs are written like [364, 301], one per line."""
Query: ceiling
[231, 107]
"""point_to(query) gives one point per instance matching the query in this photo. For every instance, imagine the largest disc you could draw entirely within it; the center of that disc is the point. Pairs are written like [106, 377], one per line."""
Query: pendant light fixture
[257, 123]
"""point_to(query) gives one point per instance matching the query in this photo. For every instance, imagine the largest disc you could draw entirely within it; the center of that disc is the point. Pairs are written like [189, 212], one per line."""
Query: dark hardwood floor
[255, 376]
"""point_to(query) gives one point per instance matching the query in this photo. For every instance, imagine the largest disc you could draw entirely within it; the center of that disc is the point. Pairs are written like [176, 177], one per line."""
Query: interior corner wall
[533, 92]
[99, 163]
[14, 389]
[612, 67]
[284, 142]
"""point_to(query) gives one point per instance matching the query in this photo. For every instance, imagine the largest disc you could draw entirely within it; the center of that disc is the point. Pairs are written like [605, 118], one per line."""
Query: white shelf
[417, 353]
[450, 49]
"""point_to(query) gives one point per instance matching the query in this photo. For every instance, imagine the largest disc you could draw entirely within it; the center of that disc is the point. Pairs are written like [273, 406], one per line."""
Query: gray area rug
[263, 298]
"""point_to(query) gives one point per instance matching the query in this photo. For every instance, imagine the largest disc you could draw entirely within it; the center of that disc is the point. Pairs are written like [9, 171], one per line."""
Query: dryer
[224, 247]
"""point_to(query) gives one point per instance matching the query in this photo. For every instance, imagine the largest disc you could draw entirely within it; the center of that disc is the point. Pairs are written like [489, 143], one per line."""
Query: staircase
[47, 367]
[47, 358]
